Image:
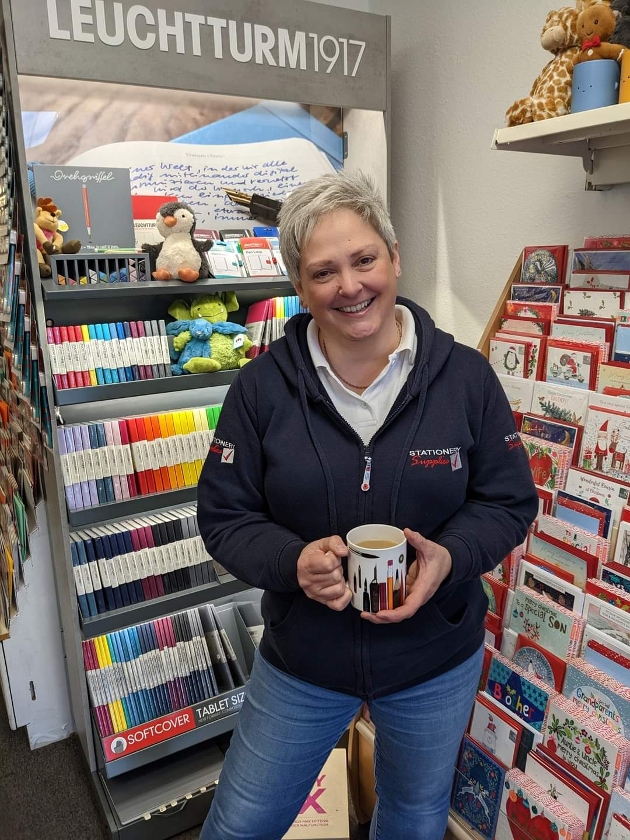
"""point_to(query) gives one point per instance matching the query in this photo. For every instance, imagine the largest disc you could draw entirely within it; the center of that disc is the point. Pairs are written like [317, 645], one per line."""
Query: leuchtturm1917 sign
[274, 49]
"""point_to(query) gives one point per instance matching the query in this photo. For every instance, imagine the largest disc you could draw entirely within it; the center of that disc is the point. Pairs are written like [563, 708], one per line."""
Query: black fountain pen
[259, 206]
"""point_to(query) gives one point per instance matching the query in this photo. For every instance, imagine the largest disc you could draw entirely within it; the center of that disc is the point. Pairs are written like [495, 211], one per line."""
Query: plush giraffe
[550, 95]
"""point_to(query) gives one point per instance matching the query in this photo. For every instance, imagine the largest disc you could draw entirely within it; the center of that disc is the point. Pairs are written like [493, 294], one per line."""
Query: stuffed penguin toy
[180, 255]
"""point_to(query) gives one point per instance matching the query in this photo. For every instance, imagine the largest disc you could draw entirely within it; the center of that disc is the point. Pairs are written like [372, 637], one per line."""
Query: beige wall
[462, 211]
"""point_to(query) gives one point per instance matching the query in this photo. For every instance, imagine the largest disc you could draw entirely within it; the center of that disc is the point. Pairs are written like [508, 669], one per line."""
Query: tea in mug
[377, 544]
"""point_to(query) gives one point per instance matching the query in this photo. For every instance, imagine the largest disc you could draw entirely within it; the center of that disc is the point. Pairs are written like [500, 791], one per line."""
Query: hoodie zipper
[367, 473]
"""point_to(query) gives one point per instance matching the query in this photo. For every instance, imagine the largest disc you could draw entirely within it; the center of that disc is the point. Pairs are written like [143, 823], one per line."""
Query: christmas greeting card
[544, 264]
[537, 345]
[594, 302]
[596, 692]
[615, 375]
[559, 402]
[605, 443]
[555, 431]
[585, 743]
[538, 661]
[548, 462]
[509, 357]
[497, 733]
[527, 813]
[573, 367]
[518, 391]
[536, 293]
[584, 514]
[564, 789]
[601, 260]
[531, 326]
[543, 311]
[549, 584]
[604, 490]
[572, 535]
[549, 625]
[619, 804]
[607, 661]
[477, 788]
[610, 620]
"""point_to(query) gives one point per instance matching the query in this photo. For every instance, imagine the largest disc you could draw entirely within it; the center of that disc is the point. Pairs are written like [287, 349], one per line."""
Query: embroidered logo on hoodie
[431, 458]
[225, 449]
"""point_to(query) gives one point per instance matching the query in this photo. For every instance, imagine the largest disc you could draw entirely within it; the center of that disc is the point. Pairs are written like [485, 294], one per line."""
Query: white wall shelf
[600, 137]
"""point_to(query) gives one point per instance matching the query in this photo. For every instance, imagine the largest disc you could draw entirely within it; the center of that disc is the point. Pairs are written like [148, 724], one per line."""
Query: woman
[364, 412]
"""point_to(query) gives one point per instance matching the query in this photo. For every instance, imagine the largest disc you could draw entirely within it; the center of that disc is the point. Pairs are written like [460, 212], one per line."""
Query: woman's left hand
[432, 565]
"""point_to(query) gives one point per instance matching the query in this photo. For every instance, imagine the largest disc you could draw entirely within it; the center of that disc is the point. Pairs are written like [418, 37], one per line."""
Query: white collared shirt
[366, 412]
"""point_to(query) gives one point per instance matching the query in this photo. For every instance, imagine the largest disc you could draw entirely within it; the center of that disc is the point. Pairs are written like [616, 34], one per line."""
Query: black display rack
[167, 788]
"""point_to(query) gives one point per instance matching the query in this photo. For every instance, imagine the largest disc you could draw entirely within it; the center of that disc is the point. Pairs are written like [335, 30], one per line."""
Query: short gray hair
[303, 209]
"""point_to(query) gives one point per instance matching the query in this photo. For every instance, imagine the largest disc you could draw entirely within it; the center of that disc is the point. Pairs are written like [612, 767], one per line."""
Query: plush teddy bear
[550, 95]
[49, 240]
[621, 35]
[595, 26]
[204, 339]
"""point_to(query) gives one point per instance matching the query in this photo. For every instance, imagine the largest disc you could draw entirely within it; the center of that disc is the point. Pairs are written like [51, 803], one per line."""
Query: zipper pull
[367, 475]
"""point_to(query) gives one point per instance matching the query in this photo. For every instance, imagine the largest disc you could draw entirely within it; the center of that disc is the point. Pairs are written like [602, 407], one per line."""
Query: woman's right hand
[320, 572]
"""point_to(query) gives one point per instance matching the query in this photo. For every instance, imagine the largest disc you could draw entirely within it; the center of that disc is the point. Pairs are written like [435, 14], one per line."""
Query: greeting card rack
[343, 62]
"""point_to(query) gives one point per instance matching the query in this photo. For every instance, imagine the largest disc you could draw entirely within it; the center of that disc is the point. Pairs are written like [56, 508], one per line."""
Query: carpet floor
[34, 783]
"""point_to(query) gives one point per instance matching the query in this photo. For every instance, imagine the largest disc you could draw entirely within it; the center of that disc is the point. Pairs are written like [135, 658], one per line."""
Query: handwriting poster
[197, 174]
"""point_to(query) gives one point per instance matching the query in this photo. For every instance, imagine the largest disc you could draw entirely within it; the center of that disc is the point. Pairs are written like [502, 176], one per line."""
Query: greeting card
[600, 329]
[555, 431]
[496, 592]
[597, 693]
[610, 620]
[599, 280]
[559, 402]
[527, 812]
[548, 462]
[585, 743]
[527, 697]
[605, 639]
[509, 357]
[601, 656]
[617, 577]
[493, 728]
[604, 490]
[562, 788]
[619, 828]
[619, 804]
[598, 303]
[584, 514]
[544, 264]
[573, 367]
[605, 443]
[542, 311]
[532, 326]
[607, 592]
[549, 584]
[518, 391]
[562, 556]
[477, 788]
[615, 375]
[549, 625]
[538, 661]
[622, 548]
[536, 293]
[572, 535]
[595, 261]
[577, 330]
[537, 345]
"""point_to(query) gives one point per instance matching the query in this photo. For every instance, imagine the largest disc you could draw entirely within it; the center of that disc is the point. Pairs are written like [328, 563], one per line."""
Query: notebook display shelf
[144, 387]
[268, 286]
[127, 508]
[166, 788]
[158, 607]
[161, 799]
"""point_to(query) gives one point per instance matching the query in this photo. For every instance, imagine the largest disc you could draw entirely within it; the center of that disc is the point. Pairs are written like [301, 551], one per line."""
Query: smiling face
[348, 278]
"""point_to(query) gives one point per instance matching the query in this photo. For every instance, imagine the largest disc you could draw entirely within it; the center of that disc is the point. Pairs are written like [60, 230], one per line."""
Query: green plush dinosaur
[226, 346]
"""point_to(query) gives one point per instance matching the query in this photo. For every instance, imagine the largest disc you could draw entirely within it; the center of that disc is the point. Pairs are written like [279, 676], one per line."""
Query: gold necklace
[339, 376]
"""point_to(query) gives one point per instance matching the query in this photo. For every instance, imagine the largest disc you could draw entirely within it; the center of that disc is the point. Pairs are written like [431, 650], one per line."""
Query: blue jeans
[287, 728]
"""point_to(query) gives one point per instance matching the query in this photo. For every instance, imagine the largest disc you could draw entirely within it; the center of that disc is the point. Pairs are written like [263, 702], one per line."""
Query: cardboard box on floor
[324, 815]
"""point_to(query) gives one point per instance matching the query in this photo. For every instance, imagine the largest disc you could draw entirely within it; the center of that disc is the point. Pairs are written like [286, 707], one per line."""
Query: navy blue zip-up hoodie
[286, 469]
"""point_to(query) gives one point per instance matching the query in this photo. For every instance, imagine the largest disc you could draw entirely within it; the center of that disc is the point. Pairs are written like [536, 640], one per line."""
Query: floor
[32, 784]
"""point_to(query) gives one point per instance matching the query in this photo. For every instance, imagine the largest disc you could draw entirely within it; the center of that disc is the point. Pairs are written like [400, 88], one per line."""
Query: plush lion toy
[595, 27]
[49, 240]
[550, 95]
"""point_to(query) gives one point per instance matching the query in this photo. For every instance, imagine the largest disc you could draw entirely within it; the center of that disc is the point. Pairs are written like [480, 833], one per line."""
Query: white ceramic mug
[377, 567]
